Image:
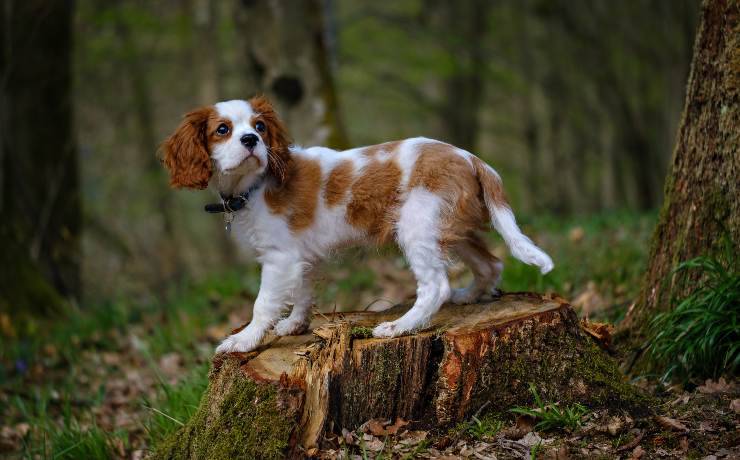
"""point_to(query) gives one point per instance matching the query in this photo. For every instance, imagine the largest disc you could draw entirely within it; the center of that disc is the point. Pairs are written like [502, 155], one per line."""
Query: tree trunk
[283, 399]
[288, 60]
[702, 204]
[466, 23]
[39, 193]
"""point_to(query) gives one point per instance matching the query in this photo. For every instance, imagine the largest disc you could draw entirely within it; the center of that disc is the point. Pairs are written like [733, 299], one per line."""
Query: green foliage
[175, 405]
[486, 427]
[65, 439]
[552, 416]
[700, 337]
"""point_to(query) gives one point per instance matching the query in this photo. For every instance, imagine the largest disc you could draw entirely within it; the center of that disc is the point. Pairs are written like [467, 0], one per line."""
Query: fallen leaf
[710, 386]
[615, 425]
[531, 439]
[633, 443]
[397, 425]
[684, 443]
[411, 438]
[735, 405]
[670, 424]
[637, 453]
[376, 445]
[524, 424]
[589, 300]
[601, 332]
[374, 427]
[347, 436]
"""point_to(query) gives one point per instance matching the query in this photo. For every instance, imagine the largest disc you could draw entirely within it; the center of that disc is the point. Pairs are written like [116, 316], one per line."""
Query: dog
[295, 206]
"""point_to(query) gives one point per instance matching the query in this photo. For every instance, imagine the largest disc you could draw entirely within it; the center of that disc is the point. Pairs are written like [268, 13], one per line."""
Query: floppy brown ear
[275, 137]
[186, 151]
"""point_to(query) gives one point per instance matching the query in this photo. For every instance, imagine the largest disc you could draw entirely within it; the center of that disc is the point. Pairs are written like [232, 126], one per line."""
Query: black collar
[234, 203]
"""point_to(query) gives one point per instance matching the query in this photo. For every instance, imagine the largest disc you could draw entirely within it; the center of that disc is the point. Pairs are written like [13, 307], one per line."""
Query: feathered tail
[503, 219]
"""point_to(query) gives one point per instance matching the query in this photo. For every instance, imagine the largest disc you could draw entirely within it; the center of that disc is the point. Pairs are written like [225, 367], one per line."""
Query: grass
[175, 404]
[550, 415]
[700, 337]
[65, 438]
[486, 427]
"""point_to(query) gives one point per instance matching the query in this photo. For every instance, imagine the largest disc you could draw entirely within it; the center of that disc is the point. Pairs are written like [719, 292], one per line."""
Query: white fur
[288, 258]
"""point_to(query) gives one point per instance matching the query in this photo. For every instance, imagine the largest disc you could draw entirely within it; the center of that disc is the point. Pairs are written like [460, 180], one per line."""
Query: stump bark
[283, 398]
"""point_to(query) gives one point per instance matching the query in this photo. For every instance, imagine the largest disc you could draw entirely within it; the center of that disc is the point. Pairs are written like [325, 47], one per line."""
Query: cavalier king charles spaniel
[295, 205]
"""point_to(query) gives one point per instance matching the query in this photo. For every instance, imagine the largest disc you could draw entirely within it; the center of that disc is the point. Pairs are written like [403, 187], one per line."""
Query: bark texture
[296, 389]
[702, 192]
[39, 182]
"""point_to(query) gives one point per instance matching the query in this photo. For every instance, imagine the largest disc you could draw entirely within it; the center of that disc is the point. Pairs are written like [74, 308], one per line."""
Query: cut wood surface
[282, 399]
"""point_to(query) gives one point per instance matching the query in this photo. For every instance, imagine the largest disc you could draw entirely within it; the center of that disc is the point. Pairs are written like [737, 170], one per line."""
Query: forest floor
[114, 379]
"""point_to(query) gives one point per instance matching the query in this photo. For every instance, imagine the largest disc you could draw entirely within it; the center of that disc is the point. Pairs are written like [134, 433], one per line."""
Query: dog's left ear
[185, 152]
[275, 136]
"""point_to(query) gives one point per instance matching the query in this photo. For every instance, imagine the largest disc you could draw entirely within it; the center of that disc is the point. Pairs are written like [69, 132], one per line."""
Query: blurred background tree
[40, 189]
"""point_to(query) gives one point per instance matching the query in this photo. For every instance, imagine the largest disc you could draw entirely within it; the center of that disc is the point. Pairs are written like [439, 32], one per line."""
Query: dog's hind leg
[486, 269]
[418, 236]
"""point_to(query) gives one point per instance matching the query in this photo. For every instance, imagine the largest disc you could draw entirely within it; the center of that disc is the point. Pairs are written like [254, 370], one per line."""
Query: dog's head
[229, 138]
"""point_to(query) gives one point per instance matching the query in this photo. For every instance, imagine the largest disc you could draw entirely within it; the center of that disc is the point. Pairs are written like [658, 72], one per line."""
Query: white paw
[291, 326]
[243, 341]
[389, 329]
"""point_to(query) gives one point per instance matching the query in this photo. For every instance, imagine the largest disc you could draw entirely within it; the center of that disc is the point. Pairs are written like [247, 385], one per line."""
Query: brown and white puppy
[430, 198]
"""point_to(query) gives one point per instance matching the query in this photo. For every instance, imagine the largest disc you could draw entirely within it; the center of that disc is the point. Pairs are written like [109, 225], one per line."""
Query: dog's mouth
[245, 165]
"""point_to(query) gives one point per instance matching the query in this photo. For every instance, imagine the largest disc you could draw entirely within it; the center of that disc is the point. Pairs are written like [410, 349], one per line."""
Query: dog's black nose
[249, 140]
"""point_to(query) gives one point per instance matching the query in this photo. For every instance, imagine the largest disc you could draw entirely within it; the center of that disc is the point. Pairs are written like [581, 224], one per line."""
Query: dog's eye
[222, 129]
[259, 126]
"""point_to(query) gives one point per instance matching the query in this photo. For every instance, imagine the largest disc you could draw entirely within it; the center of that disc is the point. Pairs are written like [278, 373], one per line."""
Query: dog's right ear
[185, 152]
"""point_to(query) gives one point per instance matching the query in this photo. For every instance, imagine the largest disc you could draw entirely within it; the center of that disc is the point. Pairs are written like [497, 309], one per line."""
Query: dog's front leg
[280, 277]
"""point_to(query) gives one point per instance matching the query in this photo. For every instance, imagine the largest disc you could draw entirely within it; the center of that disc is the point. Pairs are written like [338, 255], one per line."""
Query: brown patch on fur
[374, 202]
[338, 183]
[491, 183]
[388, 147]
[186, 153]
[298, 196]
[441, 170]
[275, 137]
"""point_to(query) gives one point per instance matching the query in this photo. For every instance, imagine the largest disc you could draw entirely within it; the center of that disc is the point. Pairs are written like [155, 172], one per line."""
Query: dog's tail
[503, 218]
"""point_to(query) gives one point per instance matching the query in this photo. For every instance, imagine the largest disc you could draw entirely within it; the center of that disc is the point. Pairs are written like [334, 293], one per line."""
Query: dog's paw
[291, 326]
[240, 342]
[389, 329]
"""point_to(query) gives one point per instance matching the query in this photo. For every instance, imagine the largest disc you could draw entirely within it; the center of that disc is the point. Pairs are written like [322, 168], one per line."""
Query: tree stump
[283, 398]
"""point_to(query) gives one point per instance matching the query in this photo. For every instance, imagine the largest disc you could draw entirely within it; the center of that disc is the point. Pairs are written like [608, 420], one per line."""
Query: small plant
[552, 416]
[535, 450]
[700, 336]
[361, 332]
[484, 428]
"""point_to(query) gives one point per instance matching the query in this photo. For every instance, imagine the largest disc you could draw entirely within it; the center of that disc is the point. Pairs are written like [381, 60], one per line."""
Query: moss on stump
[281, 400]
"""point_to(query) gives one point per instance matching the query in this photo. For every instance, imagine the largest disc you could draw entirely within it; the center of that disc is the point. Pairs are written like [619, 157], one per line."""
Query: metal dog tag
[228, 217]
